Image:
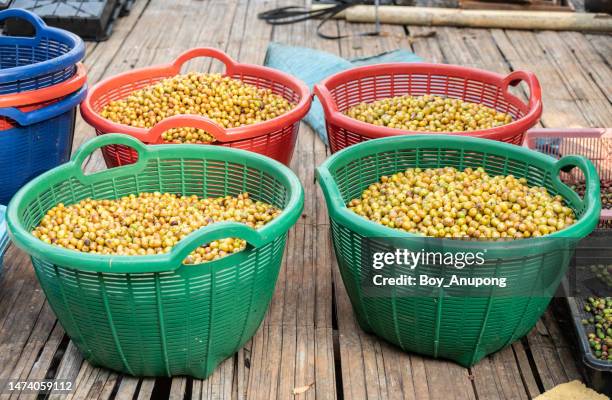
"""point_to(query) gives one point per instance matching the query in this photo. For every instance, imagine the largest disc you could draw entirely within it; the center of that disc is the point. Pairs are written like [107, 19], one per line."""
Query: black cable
[294, 14]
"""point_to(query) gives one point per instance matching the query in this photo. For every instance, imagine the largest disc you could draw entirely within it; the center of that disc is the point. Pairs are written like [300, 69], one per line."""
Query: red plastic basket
[346, 89]
[594, 143]
[116, 155]
[39, 97]
[274, 138]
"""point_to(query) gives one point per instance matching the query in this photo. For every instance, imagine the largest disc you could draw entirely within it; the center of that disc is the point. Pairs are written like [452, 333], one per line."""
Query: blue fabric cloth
[312, 66]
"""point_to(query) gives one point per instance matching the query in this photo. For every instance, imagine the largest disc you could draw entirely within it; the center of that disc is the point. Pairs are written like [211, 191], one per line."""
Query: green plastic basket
[460, 324]
[152, 315]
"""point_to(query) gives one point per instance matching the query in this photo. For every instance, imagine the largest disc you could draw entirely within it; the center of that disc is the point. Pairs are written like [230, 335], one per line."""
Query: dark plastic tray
[594, 249]
[599, 372]
[90, 19]
[583, 283]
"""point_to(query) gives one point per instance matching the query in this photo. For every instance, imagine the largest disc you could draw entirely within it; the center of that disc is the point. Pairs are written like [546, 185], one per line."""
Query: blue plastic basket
[4, 239]
[38, 141]
[47, 58]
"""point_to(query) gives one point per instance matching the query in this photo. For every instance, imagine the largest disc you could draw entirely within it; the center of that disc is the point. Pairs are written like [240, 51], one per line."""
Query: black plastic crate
[90, 19]
[592, 263]
[593, 249]
[598, 372]
[587, 279]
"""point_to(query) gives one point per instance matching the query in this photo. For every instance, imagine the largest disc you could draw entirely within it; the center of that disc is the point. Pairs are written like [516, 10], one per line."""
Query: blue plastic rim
[42, 140]
[47, 58]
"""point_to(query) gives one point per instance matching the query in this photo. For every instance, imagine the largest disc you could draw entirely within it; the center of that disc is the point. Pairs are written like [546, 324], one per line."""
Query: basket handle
[153, 136]
[26, 118]
[325, 97]
[37, 22]
[86, 149]
[592, 200]
[333, 197]
[535, 91]
[209, 233]
[211, 52]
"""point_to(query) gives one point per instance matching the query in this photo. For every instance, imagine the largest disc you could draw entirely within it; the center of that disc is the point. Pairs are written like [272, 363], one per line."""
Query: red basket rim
[532, 111]
[48, 93]
[232, 68]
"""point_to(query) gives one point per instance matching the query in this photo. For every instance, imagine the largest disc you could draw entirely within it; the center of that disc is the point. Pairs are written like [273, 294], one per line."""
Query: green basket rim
[160, 262]
[582, 227]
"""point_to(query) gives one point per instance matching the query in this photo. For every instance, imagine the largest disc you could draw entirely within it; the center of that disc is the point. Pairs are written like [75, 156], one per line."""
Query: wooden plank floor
[309, 345]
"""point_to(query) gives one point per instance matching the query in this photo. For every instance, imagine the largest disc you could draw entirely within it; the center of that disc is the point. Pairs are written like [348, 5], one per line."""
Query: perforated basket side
[452, 324]
[341, 137]
[163, 324]
[186, 319]
[277, 144]
[26, 152]
[370, 83]
[19, 55]
[371, 88]
[48, 58]
[39, 139]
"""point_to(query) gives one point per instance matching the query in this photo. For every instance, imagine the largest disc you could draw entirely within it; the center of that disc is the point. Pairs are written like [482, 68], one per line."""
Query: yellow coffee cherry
[229, 102]
[446, 202]
[428, 113]
[150, 223]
